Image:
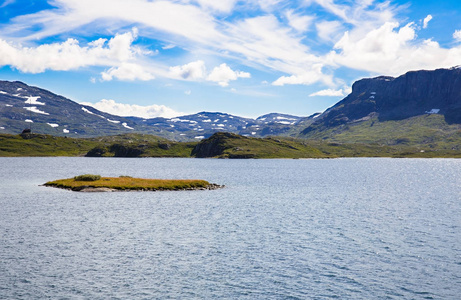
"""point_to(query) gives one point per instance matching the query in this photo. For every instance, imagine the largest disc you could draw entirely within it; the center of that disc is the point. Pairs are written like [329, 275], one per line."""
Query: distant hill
[23, 106]
[419, 107]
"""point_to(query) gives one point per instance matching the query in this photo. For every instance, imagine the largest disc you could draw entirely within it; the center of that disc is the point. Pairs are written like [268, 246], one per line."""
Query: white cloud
[328, 30]
[169, 46]
[392, 50]
[127, 71]
[299, 22]
[374, 42]
[69, 55]
[307, 77]
[221, 5]
[329, 93]
[188, 92]
[457, 35]
[192, 71]
[223, 74]
[128, 110]
[426, 21]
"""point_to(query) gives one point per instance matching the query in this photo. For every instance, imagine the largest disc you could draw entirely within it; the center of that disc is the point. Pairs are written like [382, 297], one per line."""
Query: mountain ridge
[23, 106]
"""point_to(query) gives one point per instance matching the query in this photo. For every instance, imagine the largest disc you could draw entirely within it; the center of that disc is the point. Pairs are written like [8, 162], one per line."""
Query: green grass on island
[127, 183]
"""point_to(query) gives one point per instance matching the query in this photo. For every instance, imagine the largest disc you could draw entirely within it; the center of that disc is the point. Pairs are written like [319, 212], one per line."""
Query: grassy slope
[247, 147]
[389, 145]
[43, 145]
[421, 136]
[47, 145]
[129, 183]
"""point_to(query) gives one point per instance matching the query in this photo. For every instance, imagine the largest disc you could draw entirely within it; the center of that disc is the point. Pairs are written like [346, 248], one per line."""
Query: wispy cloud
[6, 3]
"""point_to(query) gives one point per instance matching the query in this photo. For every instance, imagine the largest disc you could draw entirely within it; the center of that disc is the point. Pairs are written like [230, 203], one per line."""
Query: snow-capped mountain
[23, 106]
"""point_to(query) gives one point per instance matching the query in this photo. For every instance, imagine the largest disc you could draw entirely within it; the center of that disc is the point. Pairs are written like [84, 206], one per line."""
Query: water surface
[281, 229]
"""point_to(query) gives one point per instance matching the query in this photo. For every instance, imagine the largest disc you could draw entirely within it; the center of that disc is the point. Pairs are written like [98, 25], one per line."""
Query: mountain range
[23, 106]
[417, 107]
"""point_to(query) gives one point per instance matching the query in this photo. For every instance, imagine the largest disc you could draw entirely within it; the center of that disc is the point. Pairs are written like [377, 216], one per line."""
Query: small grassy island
[96, 183]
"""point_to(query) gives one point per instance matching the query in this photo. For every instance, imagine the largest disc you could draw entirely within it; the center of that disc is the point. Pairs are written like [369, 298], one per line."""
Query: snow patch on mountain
[32, 100]
[36, 110]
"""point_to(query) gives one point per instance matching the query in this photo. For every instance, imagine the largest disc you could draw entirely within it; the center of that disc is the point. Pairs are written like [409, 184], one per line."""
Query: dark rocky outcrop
[412, 94]
[214, 145]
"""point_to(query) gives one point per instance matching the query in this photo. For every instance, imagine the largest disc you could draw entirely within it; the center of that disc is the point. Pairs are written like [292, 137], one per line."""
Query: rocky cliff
[412, 94]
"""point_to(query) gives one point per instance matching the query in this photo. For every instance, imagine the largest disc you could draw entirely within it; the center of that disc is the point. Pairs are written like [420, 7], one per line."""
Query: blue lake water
[281, 229]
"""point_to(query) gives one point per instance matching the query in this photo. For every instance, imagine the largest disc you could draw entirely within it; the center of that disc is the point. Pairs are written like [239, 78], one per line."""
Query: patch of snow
[194, 122]
[29, 121]
[19, 89]
[126, 126]
[253, 133]
[244, 127]
[36, 110]
[262, 119]
[217, 120]
[9, 105]
[113, 121]
[284, 122]
[33, 100]
[87, 111]
[201, 129]
[172, 126]
[231, 117]
[92, 113]
[17, 95]
[206, 121]
[53, 125]
[373, 93]
[225, 121]
[65, 130]
[284, 118]
[182, 134]
[2, 128]
[175, 120]
[433, 111]
[220, 125]
[372, 97]
[316, 116]
[2, 92]
[200, 137]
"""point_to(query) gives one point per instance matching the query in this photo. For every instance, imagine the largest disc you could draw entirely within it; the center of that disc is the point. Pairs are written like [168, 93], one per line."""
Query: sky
[164, 58]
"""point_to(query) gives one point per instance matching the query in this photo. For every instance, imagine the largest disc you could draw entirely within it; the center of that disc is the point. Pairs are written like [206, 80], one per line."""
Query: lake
[358, 228]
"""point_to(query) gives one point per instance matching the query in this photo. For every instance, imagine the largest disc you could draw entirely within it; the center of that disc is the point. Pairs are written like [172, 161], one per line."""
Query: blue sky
[166, 58]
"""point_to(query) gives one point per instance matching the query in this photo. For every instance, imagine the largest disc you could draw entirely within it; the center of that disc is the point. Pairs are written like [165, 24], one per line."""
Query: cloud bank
[133, 110]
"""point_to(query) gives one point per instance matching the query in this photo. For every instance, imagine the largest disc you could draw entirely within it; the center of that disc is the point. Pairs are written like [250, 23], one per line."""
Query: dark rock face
[412, 94]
